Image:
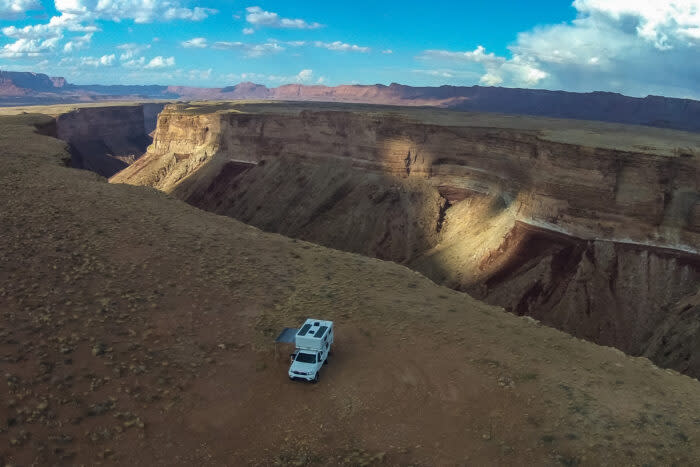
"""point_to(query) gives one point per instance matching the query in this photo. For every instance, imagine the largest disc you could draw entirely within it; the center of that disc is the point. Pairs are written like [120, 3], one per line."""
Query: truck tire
[325, 362]
[315, 380]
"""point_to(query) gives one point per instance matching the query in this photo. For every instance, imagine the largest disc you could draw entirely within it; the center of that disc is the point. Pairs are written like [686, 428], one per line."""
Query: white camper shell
[313, 344]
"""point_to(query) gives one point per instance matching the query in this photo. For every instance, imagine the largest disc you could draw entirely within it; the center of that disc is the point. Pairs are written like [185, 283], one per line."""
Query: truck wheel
[315, 380]
[325, 362]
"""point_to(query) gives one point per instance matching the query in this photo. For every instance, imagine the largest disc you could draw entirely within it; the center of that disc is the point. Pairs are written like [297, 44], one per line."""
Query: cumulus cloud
[79, 16]
[78, 43]
[136, 62]
[341, 46]
[248, 31]
[627, 46]
[137, 10]
[198, 74]
[477, 55]
[261, 18]
[105, 60]
[305, 76]
[13, 9]
[252, 50]
[29, 47]
[271, 46]
[160, 62]
[195, 43]
[194, 14]
[131, 50]
[54, 28]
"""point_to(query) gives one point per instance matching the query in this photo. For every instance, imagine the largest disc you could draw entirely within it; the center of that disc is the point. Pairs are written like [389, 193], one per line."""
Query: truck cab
[313, 344]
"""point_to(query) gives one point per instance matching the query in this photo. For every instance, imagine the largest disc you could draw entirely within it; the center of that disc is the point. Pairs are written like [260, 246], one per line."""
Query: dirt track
[137, 330]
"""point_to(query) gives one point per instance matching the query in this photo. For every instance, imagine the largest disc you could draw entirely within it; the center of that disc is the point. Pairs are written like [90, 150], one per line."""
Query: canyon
[588, 227]
[136, 328]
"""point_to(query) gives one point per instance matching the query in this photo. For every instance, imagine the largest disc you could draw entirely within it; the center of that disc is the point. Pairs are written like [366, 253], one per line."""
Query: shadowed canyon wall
[599, 242]
[106, 140]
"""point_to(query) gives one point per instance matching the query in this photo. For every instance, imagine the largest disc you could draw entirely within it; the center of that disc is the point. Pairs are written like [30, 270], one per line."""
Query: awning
[287, 335]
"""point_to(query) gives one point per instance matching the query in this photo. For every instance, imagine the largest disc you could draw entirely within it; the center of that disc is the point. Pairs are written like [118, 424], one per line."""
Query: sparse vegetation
[151, 343]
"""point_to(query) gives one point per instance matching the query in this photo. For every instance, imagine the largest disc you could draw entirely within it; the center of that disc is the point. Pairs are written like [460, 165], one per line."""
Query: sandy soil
[137, 330]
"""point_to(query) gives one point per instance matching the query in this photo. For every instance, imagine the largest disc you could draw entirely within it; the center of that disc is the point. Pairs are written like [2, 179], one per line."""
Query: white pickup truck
[313, 344]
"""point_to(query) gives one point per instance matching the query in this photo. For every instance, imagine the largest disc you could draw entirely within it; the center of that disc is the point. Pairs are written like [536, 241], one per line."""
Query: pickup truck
[313, 344]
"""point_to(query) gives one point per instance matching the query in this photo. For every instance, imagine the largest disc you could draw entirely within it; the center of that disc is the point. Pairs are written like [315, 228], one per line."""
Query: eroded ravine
[597, 241]
[106, 140]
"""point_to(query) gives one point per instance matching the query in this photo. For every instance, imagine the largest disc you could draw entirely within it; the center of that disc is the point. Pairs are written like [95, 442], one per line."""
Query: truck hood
[303, 367]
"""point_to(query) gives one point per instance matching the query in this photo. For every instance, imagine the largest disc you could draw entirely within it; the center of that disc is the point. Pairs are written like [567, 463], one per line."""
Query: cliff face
[600, 242]
[105, 140]
[27, 82]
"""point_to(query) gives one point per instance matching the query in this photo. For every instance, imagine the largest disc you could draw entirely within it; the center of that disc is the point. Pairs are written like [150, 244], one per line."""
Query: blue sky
[629, 46]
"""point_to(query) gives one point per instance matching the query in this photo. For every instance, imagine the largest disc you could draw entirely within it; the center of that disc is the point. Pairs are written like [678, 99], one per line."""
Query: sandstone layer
[598, 241]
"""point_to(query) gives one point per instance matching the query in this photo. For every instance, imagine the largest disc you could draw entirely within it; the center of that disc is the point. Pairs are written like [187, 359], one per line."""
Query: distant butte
[22, 88]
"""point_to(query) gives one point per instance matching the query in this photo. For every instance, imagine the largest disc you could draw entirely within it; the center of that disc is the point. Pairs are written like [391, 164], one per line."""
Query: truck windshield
[306, 358]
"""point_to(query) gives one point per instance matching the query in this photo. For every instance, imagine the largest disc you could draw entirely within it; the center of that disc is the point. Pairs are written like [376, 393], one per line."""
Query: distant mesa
[24, 88]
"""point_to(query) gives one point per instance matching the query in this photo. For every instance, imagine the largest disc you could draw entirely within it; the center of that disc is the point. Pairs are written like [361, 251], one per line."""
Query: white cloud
[195, 43]
[199, 74]
[304, 76]
[140, 11]
[131, 50]
[437, 73]
[139, 62]
[105, 60]
[660, 22]
[29, 47]
[477, 55]
[248, 31]
[160, 62]
[54, 28]
[13, 9]
[629, 46]
[341, 46]
[78, 43]
[387, 51]
[272, 46]
[251, 50]
[450, 74]
[79, 16]
[195, 14]
[258, 17]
